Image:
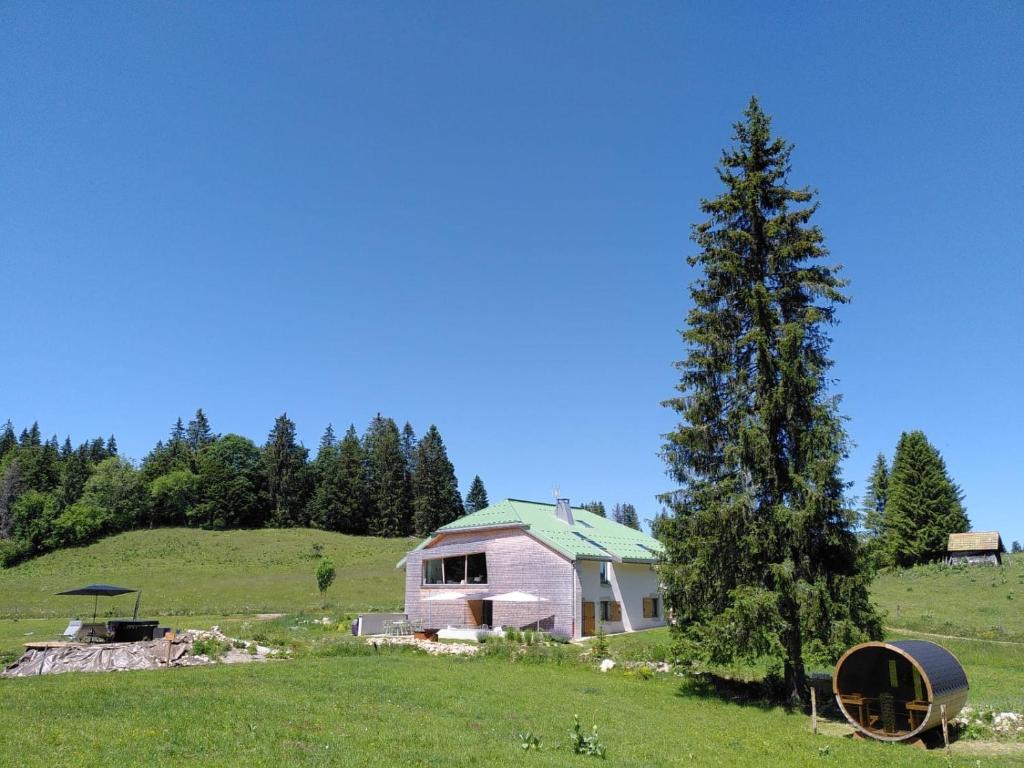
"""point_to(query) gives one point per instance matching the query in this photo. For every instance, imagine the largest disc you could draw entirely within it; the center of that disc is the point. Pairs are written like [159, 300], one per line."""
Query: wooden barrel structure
[895, 691]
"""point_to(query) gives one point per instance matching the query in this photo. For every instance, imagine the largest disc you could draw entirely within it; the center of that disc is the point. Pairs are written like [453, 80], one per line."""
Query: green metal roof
[590, 537]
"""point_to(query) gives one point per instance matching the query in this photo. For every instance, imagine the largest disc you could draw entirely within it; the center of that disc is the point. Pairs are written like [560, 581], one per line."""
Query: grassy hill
[184, 571]
[968, 601]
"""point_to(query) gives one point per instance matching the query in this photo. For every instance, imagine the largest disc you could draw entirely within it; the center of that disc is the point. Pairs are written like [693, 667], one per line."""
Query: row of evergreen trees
[383, 483]
[910, 509]
[621, 513]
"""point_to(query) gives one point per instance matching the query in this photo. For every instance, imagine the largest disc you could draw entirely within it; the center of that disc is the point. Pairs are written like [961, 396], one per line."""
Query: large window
[604, 572]
[461, 569]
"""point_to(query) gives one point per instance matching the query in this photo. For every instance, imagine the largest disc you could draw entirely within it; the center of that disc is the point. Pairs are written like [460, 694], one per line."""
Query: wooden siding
[515, 561]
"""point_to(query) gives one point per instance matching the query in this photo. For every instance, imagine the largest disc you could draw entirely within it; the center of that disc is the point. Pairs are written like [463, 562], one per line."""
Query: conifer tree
[387, 480]
[66, 449]
[875, 496]
[476, 499]
[626, 514]
[923, 506]
[287, 479]
[761, 559]
[340, 501]
[198, 435]
[436, 499]
[111, 446]
[597, 507]
[8, 441]
[327, 440]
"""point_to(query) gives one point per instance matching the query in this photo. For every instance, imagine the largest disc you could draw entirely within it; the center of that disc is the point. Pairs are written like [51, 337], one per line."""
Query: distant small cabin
[981, 548]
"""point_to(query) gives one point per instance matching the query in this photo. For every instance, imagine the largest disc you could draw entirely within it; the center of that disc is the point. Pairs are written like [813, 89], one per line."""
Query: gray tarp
[98, 658]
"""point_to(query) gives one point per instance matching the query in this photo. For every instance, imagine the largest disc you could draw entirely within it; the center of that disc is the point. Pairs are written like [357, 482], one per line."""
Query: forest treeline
[385, 482]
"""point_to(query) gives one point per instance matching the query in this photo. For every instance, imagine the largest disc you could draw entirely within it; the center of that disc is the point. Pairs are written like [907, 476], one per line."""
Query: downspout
[573, 635]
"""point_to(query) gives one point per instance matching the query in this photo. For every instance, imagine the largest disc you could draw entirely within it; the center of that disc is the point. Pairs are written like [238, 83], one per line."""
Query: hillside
[977, 601]
[185, 571]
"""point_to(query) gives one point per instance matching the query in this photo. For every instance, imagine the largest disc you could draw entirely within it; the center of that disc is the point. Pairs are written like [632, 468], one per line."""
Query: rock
[607, 665]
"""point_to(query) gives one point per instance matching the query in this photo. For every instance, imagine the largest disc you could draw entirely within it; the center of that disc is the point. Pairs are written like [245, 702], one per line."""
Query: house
[975, 548]
[589, 572]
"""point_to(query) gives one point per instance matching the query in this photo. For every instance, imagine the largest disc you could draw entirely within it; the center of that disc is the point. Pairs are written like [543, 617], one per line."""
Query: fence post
[814, 710]
[945, 726]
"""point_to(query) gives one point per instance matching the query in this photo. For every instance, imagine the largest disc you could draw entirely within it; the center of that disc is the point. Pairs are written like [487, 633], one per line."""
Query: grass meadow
[337, 701]
[184, 571]
[404, 709]
[984, 602]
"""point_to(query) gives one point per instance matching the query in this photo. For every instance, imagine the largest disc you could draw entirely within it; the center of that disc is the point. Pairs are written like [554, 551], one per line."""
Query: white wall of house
[515, 561]
[628, 584]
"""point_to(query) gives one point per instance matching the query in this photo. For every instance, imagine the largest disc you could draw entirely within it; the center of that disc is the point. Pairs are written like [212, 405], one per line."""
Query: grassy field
[403, 709]
[332, 704]
[186, 571]
[978, 601]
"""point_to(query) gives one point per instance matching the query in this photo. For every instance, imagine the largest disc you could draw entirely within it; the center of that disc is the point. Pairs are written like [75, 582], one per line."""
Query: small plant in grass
[316, 550]
[600, 645]
[584, 744]
[529, 740]
[210, 647]
[325, 574]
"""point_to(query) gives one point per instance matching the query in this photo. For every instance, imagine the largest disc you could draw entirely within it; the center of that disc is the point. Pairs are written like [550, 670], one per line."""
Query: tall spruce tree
[923, 505]
[626, 514]
[597, 507]
[476, 499]
[875, 495]
[198, 435]
[387, 480]
[436, 499]
[287, 478]
[761, 558]
[8, 440]
[340, 501]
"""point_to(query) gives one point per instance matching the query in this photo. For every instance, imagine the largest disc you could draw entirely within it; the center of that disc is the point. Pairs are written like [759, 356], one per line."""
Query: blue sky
[477, 215]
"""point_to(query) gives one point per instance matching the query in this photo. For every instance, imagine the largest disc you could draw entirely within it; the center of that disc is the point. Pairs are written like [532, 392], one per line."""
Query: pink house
[588, 571]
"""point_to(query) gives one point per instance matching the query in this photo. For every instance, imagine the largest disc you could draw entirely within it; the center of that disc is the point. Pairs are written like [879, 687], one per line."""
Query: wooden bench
[917, 709]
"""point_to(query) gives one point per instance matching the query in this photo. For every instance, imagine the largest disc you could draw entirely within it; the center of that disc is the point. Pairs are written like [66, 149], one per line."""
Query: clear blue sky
[477, 214]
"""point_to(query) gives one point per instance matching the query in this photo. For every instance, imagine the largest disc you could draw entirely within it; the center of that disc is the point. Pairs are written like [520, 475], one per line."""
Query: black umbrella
[105, 590]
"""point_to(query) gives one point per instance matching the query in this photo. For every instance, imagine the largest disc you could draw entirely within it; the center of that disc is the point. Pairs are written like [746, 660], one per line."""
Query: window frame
[465, 571]
[602, 573]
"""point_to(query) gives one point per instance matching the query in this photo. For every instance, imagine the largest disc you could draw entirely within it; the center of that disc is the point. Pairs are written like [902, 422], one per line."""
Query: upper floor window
[604, 573]
[459, 569]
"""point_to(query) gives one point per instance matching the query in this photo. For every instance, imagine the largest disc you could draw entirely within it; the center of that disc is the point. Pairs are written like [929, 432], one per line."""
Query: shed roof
[979, 541]
[589, 537]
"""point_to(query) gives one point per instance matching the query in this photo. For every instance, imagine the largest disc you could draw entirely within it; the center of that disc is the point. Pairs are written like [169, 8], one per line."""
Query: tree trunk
[794, 675]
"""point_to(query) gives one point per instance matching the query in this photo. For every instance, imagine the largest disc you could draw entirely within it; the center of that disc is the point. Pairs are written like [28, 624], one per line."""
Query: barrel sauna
[895, 691]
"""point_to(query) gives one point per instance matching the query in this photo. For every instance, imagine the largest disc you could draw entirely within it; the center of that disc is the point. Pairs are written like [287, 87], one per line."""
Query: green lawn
[970, 601]
[404, 709]
[186, 571]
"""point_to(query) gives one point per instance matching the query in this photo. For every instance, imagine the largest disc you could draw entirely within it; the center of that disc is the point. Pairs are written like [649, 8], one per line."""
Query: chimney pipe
[563, 511]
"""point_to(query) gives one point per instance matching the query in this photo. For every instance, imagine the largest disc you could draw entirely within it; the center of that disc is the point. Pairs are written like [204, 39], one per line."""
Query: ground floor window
[610, 611]
[650, 607]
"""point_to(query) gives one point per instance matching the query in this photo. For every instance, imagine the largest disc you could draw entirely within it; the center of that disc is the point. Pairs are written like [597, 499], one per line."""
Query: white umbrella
[518, 597]
[448, 596]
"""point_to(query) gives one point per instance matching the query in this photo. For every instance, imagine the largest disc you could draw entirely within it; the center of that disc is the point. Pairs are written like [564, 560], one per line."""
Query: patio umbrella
[103, 590]
[443, 597]
[518, 597]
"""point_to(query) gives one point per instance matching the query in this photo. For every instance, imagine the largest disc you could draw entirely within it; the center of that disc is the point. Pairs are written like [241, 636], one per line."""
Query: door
[476, 612]
[588, 618]
[488, 613]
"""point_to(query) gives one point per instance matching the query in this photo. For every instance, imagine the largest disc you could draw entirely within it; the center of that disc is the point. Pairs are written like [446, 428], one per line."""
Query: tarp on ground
[107, 657]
